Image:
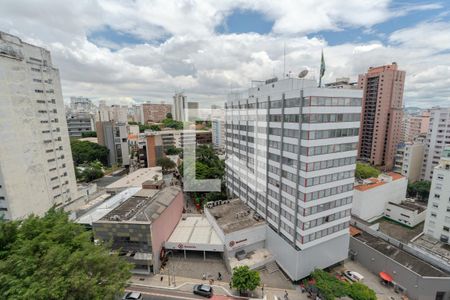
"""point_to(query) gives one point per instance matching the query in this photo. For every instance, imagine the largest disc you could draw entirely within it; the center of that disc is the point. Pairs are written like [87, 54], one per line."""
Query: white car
[353, 276]
[132, 296]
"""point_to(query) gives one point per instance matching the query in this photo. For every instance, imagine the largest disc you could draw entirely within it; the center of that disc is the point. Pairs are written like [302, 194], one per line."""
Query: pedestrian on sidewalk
[286, 295]
[204, 276]
[219, 276]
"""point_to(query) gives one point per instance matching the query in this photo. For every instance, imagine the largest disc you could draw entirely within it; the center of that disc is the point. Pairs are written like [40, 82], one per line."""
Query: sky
[129, 52]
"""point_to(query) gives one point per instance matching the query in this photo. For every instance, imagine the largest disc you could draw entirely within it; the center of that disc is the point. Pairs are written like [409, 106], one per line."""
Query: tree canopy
[89, 134]
[144, 127]
[364, 171]
[419, 189]
[86, 152]
[171, 123]
[172, 150]
[244, 279]
[51, 257]
[166, 164]
[89, 171]
[332, 288]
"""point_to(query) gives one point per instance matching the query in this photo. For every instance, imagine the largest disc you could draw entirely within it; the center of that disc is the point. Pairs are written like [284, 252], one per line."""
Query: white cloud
[207, 65]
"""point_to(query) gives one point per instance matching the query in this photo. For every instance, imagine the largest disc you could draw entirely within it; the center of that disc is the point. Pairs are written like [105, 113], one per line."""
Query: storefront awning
[385, 276]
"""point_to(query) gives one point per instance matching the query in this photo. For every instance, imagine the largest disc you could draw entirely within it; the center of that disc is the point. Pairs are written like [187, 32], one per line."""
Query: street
[156, 294]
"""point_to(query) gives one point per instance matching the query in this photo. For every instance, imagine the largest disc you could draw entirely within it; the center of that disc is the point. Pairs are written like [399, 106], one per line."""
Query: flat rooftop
[409, 261]
[371, 183]
[411, 206]
[235, 216]
[103, 209]
[143, 209]
[136, 178]
[194, 230]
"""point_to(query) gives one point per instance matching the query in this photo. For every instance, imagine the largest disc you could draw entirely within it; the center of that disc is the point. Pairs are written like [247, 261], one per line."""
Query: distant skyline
[130, 52]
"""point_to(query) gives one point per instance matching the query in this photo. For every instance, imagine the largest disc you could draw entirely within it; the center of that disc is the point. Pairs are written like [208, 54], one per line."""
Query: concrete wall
[417, 287]
[395, 213]
[371, 203]
[299, 264]
[163, 227]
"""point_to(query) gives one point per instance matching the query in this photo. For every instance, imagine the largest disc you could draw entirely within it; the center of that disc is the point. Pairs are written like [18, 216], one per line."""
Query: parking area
[370, 279]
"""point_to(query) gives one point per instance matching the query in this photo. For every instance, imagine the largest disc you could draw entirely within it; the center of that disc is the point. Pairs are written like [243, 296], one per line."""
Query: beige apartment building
[381, 117]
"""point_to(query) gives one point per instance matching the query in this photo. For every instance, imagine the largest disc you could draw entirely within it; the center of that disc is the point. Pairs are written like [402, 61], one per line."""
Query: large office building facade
[36, 167]
[291, 152]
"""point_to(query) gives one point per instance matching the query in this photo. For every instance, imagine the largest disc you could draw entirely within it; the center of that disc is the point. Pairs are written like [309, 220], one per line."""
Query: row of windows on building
[295, 102]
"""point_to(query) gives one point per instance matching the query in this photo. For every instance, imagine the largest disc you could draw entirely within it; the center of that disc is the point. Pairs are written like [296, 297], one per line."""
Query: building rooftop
[143, 209]
[400, 256]
[103, 209]
[194, 230]
[136, 179]
[235, 215]
[371, 183]
[410, 205]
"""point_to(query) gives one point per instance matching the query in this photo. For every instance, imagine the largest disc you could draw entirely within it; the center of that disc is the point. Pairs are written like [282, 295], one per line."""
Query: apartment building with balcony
[437, 222]
[438, 137]
[381, 118]
[36, 170]
[291, 151]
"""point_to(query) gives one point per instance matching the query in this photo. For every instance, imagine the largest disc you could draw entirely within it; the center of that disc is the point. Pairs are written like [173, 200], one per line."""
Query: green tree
[364, 171]
[329, 286]
[166, 164]
[171, 123]
[153, 127]
[86, 152]
[172, 150]
[51, 257]
[359, 291]
[92, 171]
[169, 115]
[244, 279]
[89, 134]
[419, 189]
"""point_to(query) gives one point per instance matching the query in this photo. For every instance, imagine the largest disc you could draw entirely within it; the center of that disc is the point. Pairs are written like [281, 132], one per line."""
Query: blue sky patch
[245, 21]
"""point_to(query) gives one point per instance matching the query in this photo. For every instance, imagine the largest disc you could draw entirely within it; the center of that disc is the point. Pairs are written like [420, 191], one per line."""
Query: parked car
[132, 296]
[353, 276]
[203, 290]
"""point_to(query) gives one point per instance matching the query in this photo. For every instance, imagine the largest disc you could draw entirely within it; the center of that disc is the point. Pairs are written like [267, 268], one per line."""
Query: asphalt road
[157, 294]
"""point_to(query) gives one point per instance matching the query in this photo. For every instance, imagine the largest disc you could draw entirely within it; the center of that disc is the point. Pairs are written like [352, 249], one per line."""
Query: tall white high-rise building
[437, 222]
[113, 113]
[291, 153]
[437, 137]
[82, 104]
[36, 168]
[179, 107]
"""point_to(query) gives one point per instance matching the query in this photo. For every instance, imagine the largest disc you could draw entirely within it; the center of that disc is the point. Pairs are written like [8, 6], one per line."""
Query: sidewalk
[185, 284]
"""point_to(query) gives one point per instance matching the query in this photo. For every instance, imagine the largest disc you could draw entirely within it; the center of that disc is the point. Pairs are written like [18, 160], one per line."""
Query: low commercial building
[410, 272]
[135, 179]
[140, 226]
[242, 232]
[371, 195]
[408, 213]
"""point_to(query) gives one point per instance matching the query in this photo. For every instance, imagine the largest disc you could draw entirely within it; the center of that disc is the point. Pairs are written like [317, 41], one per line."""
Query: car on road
[353, 276]
[203, 290]
[132, 296]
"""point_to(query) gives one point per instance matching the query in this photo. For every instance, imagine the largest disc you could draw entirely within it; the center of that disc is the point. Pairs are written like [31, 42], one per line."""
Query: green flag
[322, 69]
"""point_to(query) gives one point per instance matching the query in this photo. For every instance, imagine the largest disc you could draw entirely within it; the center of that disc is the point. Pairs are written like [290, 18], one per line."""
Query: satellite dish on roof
[302, 74]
